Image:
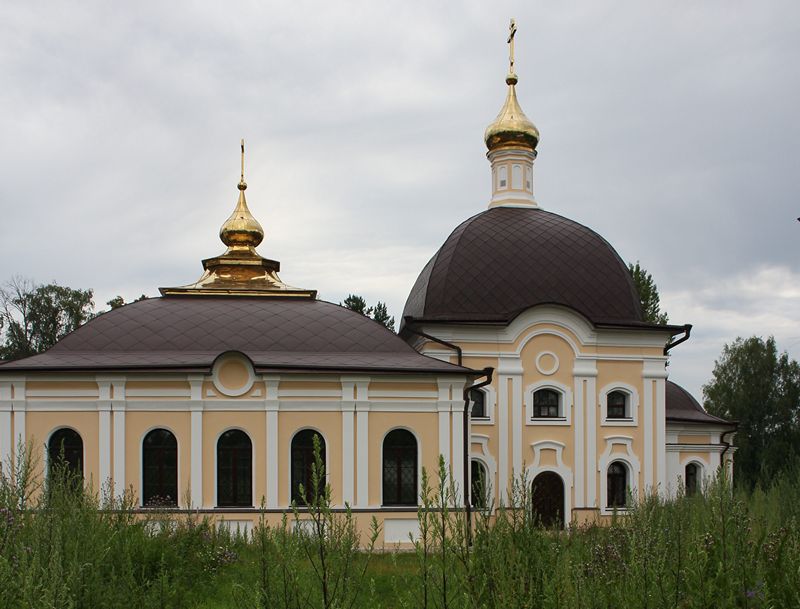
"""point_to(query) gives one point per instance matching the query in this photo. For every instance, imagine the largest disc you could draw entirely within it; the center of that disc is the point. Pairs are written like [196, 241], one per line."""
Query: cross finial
[242, 183]
[512, 29]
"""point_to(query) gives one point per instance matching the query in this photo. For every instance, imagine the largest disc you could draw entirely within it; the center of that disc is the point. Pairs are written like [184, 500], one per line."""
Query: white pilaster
[362, 473]
[661, 436]
[5, 425]
[443, 408]
[118, 409]
[271, 406]
[585, 377]
[196, 455]
[517, 422]
[458, 452]
[654, 424]
[104, 442]
[348, 452]
[19, 407]
[357, 388]
[579, 443]
[502, 428]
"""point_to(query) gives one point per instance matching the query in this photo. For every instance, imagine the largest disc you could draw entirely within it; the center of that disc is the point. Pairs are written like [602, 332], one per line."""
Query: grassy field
[60, 548]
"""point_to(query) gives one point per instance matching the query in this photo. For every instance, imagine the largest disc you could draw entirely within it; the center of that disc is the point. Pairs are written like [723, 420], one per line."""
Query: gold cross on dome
[242, 159]
[512, 29]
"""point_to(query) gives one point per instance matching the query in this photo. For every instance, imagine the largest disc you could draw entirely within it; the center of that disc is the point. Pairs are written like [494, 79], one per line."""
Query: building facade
[213, 396]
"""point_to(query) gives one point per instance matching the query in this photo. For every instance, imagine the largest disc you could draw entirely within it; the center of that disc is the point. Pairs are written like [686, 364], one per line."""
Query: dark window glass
[617, 485]
[234, 469]
[478, 488]
[400, 468]
[303, 465]
[65, 449]
[545, 404]
[478, 398]
[692, 479]
[160, 469]
[615, 404]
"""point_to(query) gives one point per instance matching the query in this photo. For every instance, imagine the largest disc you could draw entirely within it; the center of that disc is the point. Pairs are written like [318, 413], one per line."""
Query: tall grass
[61, 546]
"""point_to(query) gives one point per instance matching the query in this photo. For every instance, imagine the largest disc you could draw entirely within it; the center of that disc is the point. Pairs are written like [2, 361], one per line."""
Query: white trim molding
[489, 462]
[490, 403]
[560, 468]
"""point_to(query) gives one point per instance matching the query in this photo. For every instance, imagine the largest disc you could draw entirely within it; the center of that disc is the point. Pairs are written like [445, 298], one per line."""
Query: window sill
[481, 421]
[626, 422]
[563, 421]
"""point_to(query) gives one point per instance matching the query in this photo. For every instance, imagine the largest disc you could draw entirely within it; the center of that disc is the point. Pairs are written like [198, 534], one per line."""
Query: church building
[522, 356]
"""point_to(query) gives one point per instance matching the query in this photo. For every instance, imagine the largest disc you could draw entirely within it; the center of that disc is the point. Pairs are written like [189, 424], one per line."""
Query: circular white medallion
[233, 374]
[547, 362]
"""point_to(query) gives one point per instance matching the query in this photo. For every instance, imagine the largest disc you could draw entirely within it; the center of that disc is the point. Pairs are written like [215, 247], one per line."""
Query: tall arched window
[478, 398]
[65, 449]
[546, 404]
[478, 481]
[399, 468]
[617, 485]
[692, 479]
[160, 469]
[234, 469]
[302, 465]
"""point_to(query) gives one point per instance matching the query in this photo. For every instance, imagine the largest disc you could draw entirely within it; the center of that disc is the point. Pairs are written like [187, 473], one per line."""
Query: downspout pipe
[487, 372]
[687, 331]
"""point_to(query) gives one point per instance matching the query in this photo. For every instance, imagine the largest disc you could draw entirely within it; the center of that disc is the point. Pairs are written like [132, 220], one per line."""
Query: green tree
[33, 317]
[759, 388]
[648, 294]
[119, 301]
[379, 312]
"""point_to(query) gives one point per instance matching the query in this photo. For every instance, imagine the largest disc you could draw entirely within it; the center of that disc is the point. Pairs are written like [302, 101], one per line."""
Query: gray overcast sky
[671, 128]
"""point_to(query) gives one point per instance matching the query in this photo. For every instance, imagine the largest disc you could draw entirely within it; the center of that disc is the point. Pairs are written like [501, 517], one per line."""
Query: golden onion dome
[511, 127]
[241, 229]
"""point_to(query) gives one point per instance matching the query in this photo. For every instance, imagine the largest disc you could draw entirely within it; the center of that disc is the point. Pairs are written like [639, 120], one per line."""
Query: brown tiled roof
[275, 333]
[505, 260]
[682, 407]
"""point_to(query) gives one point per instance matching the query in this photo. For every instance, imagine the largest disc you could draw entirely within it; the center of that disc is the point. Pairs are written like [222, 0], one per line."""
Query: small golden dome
[241, 229]
[511, 127]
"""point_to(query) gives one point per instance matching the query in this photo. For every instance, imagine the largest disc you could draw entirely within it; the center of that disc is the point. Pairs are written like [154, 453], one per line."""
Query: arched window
[303, 460]
[546, 404]
[617, 485]
[478, 482]
[617, 405]
[65, 449]
[234, 469]
[478, 398]
[160, 469]
[692, 479]
[399, 468]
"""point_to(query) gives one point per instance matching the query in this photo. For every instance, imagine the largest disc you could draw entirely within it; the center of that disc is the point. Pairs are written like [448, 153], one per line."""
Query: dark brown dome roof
[681, 406]
[190, 332]
[506, 259]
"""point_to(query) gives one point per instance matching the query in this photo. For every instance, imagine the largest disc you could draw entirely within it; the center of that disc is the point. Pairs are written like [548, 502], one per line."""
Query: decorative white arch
[46, 460]
[560, 468]
[610, 455]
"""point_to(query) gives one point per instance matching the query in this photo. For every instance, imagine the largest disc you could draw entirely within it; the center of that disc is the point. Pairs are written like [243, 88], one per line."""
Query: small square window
[546, 404]
[617, 405]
